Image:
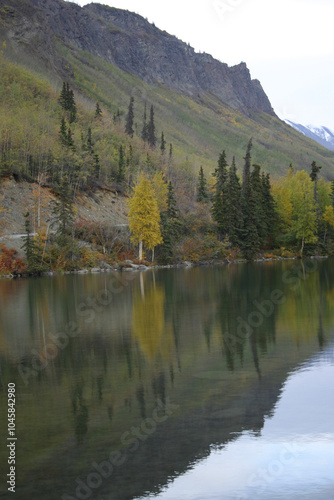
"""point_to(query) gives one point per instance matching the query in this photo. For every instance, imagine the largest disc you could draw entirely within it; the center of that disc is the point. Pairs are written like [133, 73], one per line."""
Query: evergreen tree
[144, 135]
[29, 246]
[62, 99]
[315, 169]
[72, 107]
[34, 260]
[117, 117]
[332, 192]
[120, 178]
[67, 102]
[63, 214]
[170, 228]
[63, 132]
[249, 237]
[260, 216]
[129, 118]
[270, 208]
[170, 151]
[70, 140]
[234, 220]
[172, 210]
[247, 166]
[202, 191]
[98, 111]
[162, 143]
[151, 137]
[97, 166]
[220, 199]
[89, 141]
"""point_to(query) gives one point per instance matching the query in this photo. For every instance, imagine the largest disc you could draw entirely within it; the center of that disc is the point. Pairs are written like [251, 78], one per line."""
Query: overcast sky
[288, 45]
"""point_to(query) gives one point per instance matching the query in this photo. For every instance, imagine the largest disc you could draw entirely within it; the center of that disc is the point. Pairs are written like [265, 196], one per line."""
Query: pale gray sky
[288, 45]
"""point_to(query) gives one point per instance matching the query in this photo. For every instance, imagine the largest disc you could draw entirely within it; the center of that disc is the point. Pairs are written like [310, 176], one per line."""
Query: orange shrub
[9, 262]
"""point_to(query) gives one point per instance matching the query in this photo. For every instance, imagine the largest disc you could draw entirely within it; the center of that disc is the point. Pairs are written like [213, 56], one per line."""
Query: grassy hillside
[199, 128]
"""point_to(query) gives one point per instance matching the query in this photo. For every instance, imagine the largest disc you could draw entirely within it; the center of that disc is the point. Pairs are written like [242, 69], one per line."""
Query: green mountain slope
[198, 124]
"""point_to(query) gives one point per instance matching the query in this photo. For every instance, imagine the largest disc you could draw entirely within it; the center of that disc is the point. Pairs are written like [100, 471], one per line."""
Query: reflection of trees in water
[242, 324]
[80, 412]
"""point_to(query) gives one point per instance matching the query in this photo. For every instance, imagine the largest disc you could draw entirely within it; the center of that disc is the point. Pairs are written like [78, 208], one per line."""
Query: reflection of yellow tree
[148, 323]
[299, 313]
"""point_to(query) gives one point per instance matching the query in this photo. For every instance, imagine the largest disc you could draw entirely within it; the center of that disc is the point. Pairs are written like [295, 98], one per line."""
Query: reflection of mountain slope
[221, 388]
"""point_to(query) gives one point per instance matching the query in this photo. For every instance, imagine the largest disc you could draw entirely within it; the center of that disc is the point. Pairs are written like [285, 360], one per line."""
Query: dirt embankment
[102, 206]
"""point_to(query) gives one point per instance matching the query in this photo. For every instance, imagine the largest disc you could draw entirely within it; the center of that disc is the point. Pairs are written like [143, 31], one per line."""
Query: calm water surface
[199, 384]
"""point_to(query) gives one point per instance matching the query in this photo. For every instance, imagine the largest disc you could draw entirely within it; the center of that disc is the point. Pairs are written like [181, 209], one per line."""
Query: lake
[199, 384]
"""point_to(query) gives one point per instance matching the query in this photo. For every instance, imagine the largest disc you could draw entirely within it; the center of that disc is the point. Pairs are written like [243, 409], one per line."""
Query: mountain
[132, 44]
[201, 104]
[322, 135]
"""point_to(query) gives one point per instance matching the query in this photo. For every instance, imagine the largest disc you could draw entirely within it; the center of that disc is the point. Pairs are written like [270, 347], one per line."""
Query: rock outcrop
[132, 44]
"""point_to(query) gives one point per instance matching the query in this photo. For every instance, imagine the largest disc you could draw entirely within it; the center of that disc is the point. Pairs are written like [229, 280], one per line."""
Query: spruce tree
[249, 237]
[29, 245]
[170, 151]
[260, 216]
[271, 214]
[98, 111]
[151, 137]
[70, 140]
[97, 166]
[144, 130]
[63, 132]
[63, 214]
[170, 228]
[34, 260]
[315, 169]
[72, 107]
[234, 220]
[162, 143]
[202, 191]
[129, 118]
[67, 102]
[89, 142]
[247, 166]
[219, 199]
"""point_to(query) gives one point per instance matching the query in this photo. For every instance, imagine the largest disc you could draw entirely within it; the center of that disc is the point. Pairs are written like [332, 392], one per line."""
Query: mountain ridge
[197, 122]
[132, 44]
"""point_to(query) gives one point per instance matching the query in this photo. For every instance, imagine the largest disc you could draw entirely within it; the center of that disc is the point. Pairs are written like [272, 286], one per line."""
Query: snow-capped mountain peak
[322, 135]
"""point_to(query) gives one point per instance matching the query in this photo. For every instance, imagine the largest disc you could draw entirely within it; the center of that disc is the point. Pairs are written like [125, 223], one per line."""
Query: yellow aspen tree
[304, 209]
[144, 216]
[160, 190]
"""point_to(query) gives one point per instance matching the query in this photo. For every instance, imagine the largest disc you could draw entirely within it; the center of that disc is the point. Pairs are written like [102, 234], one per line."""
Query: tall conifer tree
[202, 191]
[130, 118]
[234, 219]
[220, 200]
[151, 137]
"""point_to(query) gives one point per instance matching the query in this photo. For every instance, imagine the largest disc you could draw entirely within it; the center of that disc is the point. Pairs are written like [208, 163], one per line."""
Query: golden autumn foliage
[144, 216]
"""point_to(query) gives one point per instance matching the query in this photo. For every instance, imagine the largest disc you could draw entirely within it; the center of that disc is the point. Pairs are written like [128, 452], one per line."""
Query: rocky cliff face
[132, 44]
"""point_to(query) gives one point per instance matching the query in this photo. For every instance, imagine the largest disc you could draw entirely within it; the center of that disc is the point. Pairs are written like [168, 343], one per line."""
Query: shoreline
[131, 267]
